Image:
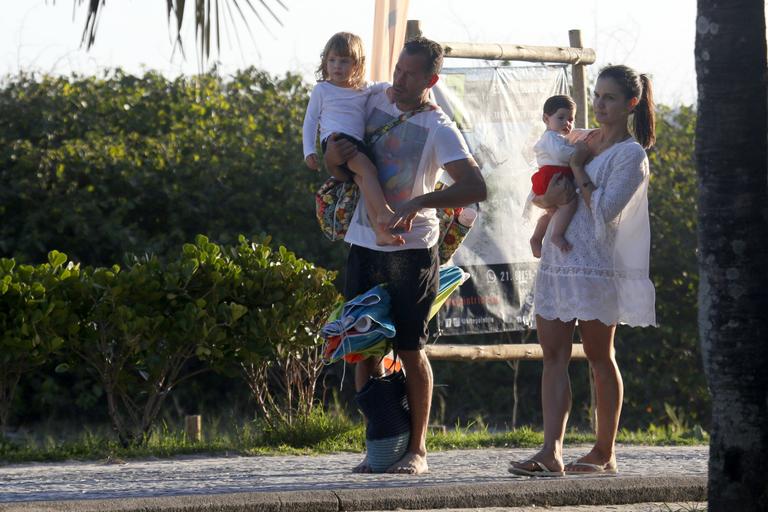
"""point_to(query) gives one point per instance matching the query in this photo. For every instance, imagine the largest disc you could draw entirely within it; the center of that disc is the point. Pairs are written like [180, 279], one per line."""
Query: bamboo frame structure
[501, 352]
[575, 54]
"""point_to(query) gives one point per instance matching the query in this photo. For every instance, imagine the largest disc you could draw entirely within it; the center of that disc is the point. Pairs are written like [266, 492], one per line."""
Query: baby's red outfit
[543, 176]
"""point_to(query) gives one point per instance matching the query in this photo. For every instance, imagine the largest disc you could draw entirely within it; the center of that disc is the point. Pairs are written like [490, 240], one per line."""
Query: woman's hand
[578, 158]
[580, 155]
[559, 191]
[578, 134]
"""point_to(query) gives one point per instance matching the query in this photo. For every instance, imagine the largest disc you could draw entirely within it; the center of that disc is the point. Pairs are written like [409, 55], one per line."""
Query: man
[408, 158]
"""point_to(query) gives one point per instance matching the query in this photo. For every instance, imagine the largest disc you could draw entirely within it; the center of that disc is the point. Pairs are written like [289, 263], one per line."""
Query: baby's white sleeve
[560, 149]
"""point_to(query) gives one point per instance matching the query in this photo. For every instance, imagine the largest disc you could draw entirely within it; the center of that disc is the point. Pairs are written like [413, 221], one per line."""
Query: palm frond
[208, 20]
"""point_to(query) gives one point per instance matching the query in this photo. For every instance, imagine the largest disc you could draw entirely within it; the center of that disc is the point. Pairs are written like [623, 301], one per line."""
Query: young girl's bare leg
[560, 221]
[379, 212]
[538, 234]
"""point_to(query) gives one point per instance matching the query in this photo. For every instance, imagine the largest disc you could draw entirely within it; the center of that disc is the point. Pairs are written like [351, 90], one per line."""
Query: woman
[603, 280]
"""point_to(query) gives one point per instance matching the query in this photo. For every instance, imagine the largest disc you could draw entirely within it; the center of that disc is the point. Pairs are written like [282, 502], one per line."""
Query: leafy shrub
[34, 317]
[101, 167]
[277, 344]
[140, 327]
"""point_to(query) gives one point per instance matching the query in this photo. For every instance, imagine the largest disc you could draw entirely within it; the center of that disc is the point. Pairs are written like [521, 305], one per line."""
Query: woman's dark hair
[635, 85]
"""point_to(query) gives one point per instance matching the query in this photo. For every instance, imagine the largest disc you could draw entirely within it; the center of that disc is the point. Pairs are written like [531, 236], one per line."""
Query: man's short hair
[555, 103]
[432, 52]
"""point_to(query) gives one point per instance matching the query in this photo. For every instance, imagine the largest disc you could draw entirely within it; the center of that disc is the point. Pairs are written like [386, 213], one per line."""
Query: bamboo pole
[579, 72]
[412, 29]
[501, 352]
[497, 51]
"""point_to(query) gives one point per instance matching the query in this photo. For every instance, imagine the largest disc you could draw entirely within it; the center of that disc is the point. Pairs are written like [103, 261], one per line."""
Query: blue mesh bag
[384, 402]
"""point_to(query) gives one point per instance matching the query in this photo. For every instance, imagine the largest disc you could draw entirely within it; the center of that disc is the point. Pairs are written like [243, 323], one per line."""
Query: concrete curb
[515, 493]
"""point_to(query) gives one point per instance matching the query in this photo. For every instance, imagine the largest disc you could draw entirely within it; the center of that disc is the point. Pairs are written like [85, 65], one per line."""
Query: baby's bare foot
[536, 247]
[410, 464]
[562, 243]
[384, 235]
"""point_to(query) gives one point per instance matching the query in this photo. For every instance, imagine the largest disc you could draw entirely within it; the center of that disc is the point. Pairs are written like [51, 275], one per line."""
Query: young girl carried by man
[337, 105]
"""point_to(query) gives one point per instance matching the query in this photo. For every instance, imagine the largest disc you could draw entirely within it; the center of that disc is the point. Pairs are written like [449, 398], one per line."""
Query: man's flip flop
[590, 469]
[539, 469]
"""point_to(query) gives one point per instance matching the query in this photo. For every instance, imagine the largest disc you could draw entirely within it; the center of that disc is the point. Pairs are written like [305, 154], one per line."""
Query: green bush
[284, 301]
[140, 327]
[34, 318]
[101, 167]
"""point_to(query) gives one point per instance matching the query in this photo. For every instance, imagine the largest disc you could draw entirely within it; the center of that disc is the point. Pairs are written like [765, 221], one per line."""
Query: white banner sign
[498, 110]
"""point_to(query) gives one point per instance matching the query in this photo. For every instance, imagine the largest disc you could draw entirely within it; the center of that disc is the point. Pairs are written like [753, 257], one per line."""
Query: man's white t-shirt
[409, 158]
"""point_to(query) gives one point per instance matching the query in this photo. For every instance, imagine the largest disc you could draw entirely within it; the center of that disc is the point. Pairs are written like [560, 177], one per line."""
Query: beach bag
[454, 225]
[384, 402]
[335, 202]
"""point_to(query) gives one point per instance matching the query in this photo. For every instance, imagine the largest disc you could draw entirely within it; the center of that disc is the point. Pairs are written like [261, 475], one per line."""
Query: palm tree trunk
[732, 160]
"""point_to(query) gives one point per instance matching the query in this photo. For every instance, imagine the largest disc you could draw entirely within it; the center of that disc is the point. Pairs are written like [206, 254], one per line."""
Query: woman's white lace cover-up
[605, 275]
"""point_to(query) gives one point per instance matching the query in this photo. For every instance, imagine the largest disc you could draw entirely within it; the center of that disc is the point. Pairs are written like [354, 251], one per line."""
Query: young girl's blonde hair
[344, 44]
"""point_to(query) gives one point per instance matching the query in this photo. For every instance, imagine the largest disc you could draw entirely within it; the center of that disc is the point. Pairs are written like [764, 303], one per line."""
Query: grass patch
[665, 436]
[319, 428]
[322, 432]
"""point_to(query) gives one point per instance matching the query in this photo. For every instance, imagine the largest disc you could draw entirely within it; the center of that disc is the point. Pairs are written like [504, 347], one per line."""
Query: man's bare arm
[337, 152]
[468, 187]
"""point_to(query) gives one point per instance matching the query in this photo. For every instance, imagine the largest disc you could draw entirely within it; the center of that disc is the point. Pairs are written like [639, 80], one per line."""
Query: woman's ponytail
[637, 86]
[644, 118]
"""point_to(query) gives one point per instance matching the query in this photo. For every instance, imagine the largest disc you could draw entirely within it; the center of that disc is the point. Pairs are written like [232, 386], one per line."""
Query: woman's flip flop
[591, 469]
[538, 469]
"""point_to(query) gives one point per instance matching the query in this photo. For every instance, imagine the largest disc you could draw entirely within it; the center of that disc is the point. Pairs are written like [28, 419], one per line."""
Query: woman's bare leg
[556, 339]
[609, 389]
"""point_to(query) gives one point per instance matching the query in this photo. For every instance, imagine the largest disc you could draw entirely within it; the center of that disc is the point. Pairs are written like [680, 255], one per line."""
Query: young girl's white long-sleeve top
[605, 275]
[336, 109]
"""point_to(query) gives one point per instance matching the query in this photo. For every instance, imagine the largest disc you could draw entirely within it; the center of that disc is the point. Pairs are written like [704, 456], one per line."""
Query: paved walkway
[467, 472]
[635, 507]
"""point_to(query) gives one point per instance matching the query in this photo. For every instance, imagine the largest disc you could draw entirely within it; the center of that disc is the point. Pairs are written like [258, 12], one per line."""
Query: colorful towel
[362, 326]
